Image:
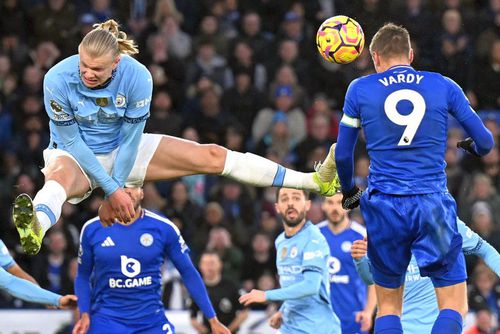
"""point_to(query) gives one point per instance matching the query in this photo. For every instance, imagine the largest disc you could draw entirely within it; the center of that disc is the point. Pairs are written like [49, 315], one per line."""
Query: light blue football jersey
[100, 112]
[347, 289]
[404, 116]
[6, 260]
[306, 250]
[420, 308]
[123, 263]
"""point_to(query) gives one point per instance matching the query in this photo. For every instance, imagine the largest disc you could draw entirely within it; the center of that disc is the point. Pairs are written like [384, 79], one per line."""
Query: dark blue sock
[388, 324]
[448, 321]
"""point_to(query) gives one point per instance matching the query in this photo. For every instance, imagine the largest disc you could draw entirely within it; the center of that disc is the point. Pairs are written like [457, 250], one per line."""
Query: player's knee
[216, 157]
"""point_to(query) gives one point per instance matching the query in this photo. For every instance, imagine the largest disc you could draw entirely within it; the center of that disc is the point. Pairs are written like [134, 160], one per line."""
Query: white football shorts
[147, 147]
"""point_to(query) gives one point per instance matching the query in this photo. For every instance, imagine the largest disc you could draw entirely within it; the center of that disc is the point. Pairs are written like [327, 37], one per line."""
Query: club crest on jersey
[120, 101]
[146, 239]
[293, 252]
[283, 252]
[101, 101]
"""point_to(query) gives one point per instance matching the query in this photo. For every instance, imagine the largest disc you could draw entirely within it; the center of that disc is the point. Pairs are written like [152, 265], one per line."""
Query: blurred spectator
[259, 260]
[361, 170]
[163, 119]
[178, 41]
[182, 207]
[213, 216]
[288, 54]
[5, 125]
[484, 323]
[371, 13]
[285, 110]
[208, 63]
[482, 222]
[15, 49]
[420, 23]
[485, 291]
[454, 48]
[486, 39]
[318, 136]
[55, 22]
[12, 14]
[278, 140]
[286, 76]
[243, 100]
[242, 60]
[491, 167]
[153, 200]
[481, 190]
[252, 34]
[219, 241]
[173, 70]
[102, 10]
[210, 120]
[293, 27]
[223, 294]
[321, 105]
[209, 31]
[52, 269]
[486, 84]
[458, 179]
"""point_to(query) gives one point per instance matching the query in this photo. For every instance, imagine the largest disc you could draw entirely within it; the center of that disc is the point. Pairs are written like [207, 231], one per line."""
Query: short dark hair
[391, 40]
[306, 193]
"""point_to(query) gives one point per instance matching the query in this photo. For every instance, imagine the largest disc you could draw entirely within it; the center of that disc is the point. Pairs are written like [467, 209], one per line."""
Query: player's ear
[375, 59]
[308, 205]
[116, 61]
[411, 55]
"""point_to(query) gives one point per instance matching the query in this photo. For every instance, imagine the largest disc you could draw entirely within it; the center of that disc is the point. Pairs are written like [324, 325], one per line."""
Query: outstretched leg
[32, 218]
[177, 157]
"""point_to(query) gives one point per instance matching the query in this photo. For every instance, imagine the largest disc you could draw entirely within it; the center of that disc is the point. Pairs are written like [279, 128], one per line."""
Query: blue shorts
[425, 225]
[155, 324]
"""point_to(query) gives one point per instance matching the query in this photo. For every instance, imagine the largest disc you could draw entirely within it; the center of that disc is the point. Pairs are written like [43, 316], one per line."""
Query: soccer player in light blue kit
[352, 301]
[406, 207]
[420, 307]
[302, 262]
[18, 283]
[98, 103]
[119, 277]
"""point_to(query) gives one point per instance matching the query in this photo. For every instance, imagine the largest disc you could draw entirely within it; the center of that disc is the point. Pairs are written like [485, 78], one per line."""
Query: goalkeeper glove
[468, 146]
[350, 199]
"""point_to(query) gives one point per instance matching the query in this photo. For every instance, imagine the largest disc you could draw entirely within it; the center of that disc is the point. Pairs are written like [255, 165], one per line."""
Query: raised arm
[474, 244]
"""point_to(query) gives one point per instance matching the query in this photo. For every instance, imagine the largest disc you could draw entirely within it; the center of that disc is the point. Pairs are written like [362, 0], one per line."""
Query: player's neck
[339, 227]
[290, 231]
[388, 63]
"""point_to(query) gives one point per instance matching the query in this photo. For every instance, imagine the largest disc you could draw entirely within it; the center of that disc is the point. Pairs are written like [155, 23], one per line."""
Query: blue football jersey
[306, 250]
[99, 113]
[6, 260]
[404, 115]
[125, 261]
[347, 289]
[420, 308]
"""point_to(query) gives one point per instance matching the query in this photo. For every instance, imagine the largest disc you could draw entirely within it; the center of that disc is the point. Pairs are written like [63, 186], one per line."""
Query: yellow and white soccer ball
[340, 39]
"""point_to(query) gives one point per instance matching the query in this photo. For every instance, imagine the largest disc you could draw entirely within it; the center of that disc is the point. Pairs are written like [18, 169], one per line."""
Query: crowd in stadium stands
[245, 74]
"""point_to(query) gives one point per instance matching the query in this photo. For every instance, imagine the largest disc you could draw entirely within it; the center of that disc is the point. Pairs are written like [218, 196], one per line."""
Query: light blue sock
[388, 324]
[448, 321]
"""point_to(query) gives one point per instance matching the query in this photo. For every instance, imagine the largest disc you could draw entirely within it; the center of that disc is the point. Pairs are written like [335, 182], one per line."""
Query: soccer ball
[340, 39]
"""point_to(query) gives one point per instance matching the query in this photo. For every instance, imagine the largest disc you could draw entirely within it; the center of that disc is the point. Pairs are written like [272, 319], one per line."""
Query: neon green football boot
[27, 224]
[326, 176]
